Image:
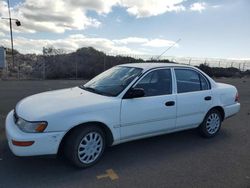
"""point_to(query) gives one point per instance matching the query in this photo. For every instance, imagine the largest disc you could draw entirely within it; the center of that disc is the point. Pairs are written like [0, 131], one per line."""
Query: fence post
[104, 62]
[76, 67]
[244, 66]
[44, 70]
[7, 64]
[205, 62]
[189, 62]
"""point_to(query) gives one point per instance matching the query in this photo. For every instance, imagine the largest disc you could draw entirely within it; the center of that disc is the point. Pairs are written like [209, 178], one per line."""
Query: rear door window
[189, 81]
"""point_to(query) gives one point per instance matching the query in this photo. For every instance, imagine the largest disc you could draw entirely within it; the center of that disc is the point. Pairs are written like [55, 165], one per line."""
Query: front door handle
[208, 98]
[170, 103]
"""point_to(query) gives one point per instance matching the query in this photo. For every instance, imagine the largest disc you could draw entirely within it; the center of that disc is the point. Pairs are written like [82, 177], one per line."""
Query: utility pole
[11, 37]
[18, 23]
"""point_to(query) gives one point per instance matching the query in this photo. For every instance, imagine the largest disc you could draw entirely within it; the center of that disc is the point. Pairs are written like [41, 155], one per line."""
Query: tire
[211, 124]
[85, 146]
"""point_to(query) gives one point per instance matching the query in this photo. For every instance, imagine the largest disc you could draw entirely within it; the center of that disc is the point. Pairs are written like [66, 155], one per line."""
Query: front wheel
[211, 124]
[85, 146]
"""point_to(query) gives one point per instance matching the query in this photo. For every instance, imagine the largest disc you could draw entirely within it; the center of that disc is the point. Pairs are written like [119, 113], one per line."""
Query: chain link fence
[78, 65]
[242, 65]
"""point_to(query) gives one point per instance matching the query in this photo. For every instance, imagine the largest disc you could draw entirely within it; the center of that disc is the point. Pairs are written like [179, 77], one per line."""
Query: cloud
[61, 15]
[99, 6]
[153, 43]
[2, 34]
[49, 16]
[73, 42]
[138, 8]
[131, 40]
[118, 20]
[216, 6]
[198, 7]
[147, 8]
[159, 43]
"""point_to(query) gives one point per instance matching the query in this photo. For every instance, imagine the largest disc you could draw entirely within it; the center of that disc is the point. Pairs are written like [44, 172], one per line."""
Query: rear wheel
[211, 124]
[85, 146]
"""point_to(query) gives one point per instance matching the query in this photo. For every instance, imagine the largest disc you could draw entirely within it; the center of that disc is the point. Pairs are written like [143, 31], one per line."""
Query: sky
[207, 28]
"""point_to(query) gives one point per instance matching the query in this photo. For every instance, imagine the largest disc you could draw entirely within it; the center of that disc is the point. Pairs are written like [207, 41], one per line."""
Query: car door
[194, 97]
[155, 112]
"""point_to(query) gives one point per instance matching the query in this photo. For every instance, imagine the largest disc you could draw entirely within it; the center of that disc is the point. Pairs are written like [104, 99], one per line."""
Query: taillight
[237, 98]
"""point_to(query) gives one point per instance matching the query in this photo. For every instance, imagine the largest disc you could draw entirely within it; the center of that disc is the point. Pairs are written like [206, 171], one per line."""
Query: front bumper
[44, 143]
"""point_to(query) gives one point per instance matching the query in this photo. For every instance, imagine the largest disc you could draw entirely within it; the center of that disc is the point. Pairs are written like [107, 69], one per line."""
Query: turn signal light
[22, 143]
[41, 127]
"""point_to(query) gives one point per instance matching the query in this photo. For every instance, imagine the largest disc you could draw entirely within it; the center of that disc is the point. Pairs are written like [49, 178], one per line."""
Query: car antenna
[176, 42]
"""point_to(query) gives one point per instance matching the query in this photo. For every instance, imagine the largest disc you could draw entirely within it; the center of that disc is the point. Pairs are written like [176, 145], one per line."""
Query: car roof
[151, 65]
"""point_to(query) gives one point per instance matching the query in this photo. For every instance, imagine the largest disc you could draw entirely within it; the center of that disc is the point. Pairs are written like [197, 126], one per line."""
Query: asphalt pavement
[182, 159]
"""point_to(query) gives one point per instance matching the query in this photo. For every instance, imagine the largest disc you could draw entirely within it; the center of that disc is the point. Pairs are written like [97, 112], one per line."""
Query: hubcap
[90, 147]
[213, 123]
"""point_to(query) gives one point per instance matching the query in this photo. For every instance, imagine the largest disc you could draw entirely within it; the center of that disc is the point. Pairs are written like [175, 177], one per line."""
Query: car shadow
[161, 147]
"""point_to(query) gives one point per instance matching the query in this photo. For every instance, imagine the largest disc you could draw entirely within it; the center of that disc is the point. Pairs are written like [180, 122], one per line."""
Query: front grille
[15, 116]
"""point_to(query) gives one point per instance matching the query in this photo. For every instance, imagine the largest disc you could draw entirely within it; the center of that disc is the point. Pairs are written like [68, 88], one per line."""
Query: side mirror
[134, 93]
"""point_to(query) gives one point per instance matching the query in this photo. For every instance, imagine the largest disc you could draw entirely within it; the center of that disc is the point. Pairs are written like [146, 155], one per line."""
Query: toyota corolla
[124, 103]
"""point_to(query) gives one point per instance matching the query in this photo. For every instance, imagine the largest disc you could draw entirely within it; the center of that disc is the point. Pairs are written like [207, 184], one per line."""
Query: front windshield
[112, 81]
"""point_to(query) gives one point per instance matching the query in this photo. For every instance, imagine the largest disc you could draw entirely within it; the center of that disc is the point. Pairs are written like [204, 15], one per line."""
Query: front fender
[67, 120]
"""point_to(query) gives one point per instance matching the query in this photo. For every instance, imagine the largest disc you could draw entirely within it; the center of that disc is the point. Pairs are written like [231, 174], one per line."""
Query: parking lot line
[110, 173]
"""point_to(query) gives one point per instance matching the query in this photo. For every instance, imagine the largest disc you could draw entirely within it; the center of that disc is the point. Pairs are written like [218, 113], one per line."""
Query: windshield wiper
[89, 89]
[94, 90]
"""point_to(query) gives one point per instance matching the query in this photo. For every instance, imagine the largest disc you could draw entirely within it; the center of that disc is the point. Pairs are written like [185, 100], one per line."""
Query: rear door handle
[208, 98]
[170, 103]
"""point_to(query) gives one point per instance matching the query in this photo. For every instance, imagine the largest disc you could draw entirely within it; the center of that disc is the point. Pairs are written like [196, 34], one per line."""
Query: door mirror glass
[134, 93]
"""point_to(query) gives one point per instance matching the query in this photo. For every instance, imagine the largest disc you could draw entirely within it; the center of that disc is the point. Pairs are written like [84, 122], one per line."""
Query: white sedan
[124, 103]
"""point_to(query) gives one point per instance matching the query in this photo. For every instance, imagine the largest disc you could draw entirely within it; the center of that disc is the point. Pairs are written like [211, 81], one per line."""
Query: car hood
[38, 107]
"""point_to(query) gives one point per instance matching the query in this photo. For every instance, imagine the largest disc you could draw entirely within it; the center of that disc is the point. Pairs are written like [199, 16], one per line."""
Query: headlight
[31, 127]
